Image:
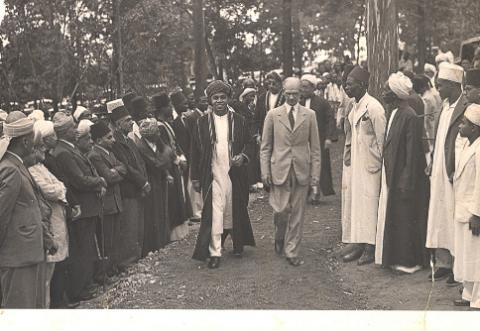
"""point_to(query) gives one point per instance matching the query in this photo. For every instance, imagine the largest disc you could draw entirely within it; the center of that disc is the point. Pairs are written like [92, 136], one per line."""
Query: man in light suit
[22, 255]
[290, 164]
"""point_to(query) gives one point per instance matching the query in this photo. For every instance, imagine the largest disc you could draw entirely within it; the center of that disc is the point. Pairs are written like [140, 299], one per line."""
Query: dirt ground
[170, 279]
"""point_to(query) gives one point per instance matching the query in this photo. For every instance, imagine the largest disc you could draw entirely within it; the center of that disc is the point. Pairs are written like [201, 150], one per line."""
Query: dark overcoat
[408, 191]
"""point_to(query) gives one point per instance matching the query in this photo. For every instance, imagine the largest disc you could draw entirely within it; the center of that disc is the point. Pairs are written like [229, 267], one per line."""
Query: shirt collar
[295, 107]
[103, 149]
[15, 155]
[67, 142]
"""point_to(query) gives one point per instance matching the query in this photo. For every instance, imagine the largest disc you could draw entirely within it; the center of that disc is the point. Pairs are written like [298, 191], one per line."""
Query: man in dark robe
[403, 206]
[269, 100]
[326, 129]
[158, 158]
[79, 176]
[134, 188]
[177, 199]
[220, 152]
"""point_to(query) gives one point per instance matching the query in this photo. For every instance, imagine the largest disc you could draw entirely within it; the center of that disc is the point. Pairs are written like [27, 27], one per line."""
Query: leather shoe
[354, 255]
[214, 262]
[295, 261]
[451, 282]
[279, 246]
[350, 248]
[461, 303]
[368, 255]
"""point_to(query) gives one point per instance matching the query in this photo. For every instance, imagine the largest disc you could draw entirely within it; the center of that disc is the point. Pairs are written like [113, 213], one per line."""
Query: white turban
[42, 129]
[83, 128]
[310, 78]
[78, 112]
[37, 115]
[472, 113]
[429, 67]
[400, 84]
[3, 115]
[248, 90]
[114, 104]
[16, 125]
[451, 72]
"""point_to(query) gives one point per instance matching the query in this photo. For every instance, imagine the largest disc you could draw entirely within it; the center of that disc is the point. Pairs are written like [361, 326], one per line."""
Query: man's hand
[170, 179]
[103, 191]
[428, 170]
[474, 225]
[147, 188]
[76, 212]
[196, 186]
[328, 143]
[267, 181]
[53, 249]
[258, 138]
[103, 181]
[237, 160]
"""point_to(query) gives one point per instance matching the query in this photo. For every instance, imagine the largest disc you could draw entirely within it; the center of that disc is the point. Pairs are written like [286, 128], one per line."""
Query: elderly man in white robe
[362, 170]
[440, 225]
[466, 184]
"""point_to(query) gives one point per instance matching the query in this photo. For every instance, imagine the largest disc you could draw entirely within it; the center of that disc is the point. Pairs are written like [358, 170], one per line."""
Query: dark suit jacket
[79, 175]
[452, 135]
[127, 152]
[104, 164]
[182, 133]
[263, 107]
[21, 229]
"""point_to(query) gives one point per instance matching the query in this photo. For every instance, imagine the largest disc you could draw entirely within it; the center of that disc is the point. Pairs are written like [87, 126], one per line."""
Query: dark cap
[99, 130]
[359, 74]
[473, 77]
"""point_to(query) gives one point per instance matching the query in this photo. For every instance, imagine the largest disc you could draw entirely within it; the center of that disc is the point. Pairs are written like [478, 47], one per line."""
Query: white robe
[466, 184]
[361, 188]
[440, 229]
[222, 185]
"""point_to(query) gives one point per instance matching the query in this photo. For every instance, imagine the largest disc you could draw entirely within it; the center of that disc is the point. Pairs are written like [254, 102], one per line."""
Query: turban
[37, 115]
[472, 113]
[118, 114]
[83, 128]
[114, 104]
[42, 129]
[245, 92]
[451, 72]
[78, 112]
[16, 125]
[400, 84]
[218, 86]
[99, 130]
[310, 78]
[359, 74]
[148, 127]
[430, 68]
[62, 122]
[473, 77]
[291, 84]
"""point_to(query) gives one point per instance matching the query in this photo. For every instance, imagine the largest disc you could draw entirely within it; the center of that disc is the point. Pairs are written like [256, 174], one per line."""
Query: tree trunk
[200, 64]
[117, 48]
[382, 43]
[421, 36]
[298, 39]
[287, 38]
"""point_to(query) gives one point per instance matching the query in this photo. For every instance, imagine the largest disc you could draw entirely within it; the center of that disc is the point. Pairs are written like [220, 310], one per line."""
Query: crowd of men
[88, 193]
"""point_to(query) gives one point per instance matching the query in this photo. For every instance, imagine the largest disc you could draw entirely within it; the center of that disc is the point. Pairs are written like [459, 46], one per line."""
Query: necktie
[291, 118]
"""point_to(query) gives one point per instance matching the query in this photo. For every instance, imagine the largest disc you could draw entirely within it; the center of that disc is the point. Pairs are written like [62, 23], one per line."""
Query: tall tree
[287, 39]
[382, 42]
[199, 37]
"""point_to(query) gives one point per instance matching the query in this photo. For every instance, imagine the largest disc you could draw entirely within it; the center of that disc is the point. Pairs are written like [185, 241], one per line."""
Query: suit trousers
[288, 202]
[130, 230]
[24, 287]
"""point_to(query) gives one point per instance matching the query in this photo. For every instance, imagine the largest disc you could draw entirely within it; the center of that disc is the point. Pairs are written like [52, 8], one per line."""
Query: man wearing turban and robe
[362, 171]
[403, 204]
[220, 152]
[466, 186]
[440, 225]
[22, 254]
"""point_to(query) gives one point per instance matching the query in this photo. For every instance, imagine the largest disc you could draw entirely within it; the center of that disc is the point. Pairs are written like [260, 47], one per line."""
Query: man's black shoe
[214, 262]
[279, 246]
